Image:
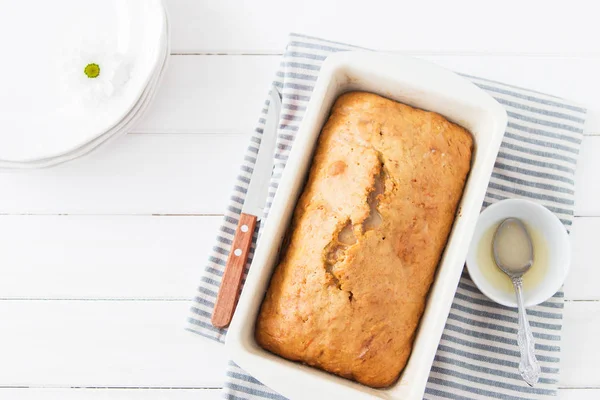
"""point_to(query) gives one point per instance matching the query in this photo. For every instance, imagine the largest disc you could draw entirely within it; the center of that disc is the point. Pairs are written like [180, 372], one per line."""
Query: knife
[252, 210]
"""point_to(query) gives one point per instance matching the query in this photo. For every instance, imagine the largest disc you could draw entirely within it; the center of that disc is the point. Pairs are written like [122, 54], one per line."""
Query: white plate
[122, 127]
[41, 113]
[554, 253]
[410, 81]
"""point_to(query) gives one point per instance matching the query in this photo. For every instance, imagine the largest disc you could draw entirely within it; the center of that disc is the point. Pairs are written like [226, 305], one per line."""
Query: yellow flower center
[92, 70]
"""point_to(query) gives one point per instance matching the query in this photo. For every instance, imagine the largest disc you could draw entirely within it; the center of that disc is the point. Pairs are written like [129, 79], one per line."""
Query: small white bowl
[552, 253]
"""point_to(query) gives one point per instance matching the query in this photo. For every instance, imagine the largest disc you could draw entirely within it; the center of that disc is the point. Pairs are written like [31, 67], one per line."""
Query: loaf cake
[365, 240]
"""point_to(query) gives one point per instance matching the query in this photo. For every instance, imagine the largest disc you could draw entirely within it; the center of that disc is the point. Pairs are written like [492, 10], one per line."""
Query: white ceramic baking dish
[407, 80]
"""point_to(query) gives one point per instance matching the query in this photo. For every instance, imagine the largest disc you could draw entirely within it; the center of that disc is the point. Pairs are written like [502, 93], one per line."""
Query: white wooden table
[100, 257]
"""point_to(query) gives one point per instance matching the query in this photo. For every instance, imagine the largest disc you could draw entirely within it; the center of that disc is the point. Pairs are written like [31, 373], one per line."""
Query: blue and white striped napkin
[478, 355]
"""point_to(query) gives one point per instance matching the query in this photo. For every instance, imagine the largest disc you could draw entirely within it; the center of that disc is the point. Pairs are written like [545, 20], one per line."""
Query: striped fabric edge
[477, 355]
[240, 385]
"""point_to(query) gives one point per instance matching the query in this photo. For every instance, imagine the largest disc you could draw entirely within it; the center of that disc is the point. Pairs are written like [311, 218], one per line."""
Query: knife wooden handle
[234, 269]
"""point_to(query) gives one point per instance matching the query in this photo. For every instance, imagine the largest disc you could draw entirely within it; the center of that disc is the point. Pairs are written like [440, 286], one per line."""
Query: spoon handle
[529, 368]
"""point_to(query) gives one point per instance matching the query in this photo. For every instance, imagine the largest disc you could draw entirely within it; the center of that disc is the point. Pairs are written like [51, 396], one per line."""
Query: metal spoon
[513, 254]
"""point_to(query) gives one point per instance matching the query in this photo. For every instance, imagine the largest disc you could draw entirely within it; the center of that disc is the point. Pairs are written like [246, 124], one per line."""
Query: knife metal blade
[258, 188]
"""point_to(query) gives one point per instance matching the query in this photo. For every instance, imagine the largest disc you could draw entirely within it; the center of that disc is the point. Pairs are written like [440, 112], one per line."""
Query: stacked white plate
[75, 75]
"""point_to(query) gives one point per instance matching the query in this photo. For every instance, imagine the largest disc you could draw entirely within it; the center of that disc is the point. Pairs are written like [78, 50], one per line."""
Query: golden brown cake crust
[350, 303]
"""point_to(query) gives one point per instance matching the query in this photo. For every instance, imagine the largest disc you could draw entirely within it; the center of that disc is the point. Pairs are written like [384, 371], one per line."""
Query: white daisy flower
[93, 77]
